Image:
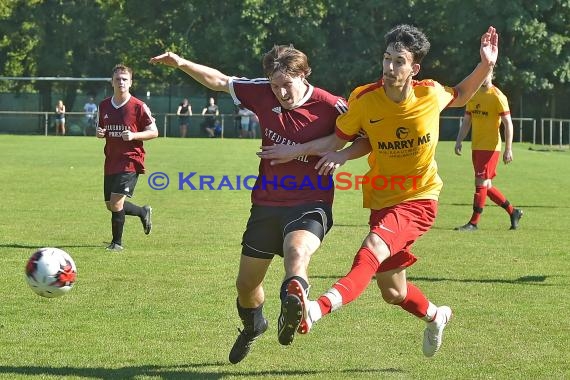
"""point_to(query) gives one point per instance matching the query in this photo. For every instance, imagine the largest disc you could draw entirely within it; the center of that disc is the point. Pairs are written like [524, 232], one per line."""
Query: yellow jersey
[403, 137]
[486, 108]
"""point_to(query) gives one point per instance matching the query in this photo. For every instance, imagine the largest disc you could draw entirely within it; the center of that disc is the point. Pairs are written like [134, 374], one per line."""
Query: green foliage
[343, 39]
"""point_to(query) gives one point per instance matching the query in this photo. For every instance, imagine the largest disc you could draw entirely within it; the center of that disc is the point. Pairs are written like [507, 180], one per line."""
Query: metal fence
[552, 132]
[43, 123]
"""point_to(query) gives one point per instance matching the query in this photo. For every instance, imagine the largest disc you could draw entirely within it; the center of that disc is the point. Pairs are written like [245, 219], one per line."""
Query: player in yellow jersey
[485, 112]
[400, 116]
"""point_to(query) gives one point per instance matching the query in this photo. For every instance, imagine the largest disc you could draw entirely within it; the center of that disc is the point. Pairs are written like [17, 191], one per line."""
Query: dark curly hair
[410, 38]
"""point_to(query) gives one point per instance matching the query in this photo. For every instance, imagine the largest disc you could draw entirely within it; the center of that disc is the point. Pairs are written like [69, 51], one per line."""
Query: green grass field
[165, 307]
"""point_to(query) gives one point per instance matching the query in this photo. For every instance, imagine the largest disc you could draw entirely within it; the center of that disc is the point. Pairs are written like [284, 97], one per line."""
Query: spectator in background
[210, 112]
[217, 128]
[90, 109]
[184, 112]
[253, 125]
[245, 115]
[237, 121]
[60, 118]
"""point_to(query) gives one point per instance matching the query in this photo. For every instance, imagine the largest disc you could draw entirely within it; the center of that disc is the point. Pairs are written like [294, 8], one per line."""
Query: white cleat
[311, 308]
[433, 334]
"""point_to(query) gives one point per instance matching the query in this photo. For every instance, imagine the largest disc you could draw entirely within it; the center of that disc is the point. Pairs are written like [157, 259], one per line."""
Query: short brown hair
[122, 68]
[286, 59]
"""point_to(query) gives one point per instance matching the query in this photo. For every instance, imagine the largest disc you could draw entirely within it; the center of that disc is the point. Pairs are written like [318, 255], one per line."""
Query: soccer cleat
[243, 343]
[433, 334]
[467, 227]
[289, 319]
[295, 288]
[146, 219]
[515, 218]
[114, 247]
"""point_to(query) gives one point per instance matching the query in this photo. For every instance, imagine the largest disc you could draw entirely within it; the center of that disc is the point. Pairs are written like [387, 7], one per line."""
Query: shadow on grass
[524, 280]
[518, 205]
[38, 246]
[184, 371]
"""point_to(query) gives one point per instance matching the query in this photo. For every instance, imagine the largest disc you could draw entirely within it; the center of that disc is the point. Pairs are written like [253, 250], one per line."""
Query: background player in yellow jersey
[400, 116]
[485, 111]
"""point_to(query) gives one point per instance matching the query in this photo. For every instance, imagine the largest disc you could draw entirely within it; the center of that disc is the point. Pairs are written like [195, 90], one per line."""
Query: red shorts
[399, 227]
[485, 163]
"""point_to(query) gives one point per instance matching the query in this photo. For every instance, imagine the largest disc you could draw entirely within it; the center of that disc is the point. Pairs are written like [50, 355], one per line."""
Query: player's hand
[507, 156]
[489, 47]
[329, 162]
[100, 132]
[458, 147]
[128, 135]
[279, 153]
[169, 59]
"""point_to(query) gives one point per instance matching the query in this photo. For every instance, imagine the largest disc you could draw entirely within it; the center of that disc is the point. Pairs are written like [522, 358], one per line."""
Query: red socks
[478, 203]
[353, 284]
[415, 302]
[348, 288]
[498, 197]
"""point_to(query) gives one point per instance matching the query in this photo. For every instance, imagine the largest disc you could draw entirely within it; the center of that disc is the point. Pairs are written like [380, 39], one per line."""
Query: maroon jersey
[295, 182]
[134, 115]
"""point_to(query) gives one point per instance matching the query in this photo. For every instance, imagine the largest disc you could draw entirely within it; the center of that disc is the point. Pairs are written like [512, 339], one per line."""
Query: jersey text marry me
[403, 137]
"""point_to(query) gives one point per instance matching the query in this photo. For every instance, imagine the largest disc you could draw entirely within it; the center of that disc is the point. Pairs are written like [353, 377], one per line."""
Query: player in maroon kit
[125, 122]
[291, 204]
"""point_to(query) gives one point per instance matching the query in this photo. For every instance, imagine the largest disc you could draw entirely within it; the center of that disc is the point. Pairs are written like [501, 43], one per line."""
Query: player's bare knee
[246, 286]
[297, 254]
[393, 296]
[113, 207]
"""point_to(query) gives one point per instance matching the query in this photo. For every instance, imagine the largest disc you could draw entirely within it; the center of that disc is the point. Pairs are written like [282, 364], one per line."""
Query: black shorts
[122, 183]
[268, 225]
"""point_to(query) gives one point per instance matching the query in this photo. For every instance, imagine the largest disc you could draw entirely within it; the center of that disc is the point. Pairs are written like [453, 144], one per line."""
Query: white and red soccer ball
[51, 272]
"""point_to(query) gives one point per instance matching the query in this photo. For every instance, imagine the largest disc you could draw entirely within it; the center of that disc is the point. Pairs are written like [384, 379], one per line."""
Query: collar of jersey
[305, 98]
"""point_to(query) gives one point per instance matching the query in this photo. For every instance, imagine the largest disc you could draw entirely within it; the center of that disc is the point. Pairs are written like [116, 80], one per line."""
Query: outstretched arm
[332, 160]
[463, 131]
[489, 52]
[280, 153]
[207, 76]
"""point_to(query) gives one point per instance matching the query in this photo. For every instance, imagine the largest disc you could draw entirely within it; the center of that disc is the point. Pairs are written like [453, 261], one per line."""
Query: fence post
[46, 123]
[560, 133]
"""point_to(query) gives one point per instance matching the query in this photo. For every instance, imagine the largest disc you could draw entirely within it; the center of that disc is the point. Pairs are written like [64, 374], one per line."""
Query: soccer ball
[51, 272]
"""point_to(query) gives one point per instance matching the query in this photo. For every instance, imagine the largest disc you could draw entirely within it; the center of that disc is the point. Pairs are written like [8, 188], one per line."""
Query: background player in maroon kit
[125, 122]
[286, 219]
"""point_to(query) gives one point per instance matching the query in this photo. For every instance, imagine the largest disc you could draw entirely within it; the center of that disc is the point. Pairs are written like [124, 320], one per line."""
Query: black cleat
[467, 227]
[146, 219]
[289, 319]
[114, 247]
[243, 343]
[515, 218]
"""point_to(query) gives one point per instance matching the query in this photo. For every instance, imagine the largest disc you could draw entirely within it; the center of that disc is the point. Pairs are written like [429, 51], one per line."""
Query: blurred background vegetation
[343, 40]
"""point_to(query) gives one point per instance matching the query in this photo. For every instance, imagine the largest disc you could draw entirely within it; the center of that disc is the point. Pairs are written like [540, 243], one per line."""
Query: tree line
[342, 38]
